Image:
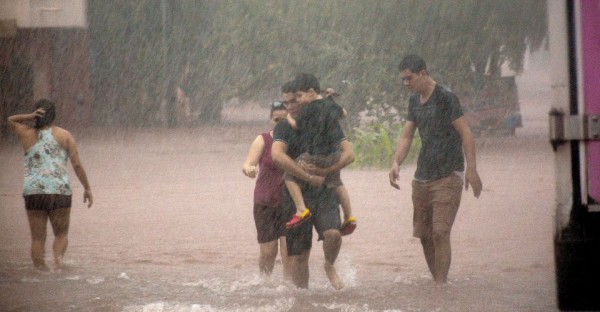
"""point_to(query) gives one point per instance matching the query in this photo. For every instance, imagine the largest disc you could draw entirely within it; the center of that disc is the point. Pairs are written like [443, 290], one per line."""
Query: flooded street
[142, 84]
[171, 230]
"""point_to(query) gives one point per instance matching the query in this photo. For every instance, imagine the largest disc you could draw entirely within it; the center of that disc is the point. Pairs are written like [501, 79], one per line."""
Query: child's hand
[316, 180]
[330, 92]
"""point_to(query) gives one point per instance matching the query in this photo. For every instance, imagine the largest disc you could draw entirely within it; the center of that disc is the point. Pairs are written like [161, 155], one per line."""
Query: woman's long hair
[48, 118]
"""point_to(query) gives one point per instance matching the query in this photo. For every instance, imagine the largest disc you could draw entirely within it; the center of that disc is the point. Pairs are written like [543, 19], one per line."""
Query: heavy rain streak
[164, 99]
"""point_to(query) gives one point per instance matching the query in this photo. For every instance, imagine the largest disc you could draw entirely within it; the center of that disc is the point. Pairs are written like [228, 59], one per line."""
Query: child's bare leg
[296, 194]
[344, 198]
[349, 224]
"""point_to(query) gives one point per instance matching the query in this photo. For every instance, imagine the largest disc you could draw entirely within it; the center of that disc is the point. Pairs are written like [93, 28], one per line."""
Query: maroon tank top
[269, 184]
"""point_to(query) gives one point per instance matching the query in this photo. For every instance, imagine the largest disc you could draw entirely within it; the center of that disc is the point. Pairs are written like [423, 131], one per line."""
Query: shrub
[374, 145]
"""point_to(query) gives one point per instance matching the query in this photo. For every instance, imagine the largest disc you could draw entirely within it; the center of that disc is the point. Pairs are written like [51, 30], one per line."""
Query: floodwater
[171, 229]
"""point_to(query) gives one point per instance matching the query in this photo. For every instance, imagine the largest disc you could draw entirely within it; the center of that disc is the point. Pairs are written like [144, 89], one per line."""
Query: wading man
[446, 141]
[288, 145]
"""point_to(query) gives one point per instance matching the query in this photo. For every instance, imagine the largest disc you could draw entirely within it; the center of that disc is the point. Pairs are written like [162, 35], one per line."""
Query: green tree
[249, 48]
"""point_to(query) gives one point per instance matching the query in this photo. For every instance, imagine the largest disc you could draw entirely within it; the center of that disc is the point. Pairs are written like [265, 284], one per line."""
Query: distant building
[44, 54]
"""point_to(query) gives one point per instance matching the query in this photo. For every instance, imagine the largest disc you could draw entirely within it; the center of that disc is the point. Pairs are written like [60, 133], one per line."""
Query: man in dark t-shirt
[288, 145]
[437, 184]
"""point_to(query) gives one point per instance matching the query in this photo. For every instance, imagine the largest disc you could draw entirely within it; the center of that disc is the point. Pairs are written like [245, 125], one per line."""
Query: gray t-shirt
[441, 146]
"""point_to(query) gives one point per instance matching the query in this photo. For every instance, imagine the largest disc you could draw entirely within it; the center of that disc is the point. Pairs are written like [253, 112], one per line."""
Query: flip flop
[297, 220]
[348, 227]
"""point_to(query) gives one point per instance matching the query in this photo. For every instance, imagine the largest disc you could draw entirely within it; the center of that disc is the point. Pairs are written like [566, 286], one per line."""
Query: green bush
[374, 146]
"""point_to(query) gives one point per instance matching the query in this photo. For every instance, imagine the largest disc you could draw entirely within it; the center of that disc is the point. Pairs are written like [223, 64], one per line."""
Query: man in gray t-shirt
[438, 181]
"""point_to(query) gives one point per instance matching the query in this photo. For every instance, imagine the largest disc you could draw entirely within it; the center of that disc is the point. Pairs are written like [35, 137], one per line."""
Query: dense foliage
[247, 49]
[374, 145]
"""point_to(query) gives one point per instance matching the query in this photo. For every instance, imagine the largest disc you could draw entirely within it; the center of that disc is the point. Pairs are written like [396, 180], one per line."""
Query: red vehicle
[492, 107]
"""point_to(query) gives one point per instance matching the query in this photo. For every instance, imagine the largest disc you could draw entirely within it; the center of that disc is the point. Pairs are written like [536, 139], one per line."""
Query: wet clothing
[46, 167]
[269, 183]
[47, 202]
[317, 119]
[270, 222]
[269, 215]
[298, 143]
[323, 202]
[314, 121]
[441, 145]
[435, 205]
[332, 180]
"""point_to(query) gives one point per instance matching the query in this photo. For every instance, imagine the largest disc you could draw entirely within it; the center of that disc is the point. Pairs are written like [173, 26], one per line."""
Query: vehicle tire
[577, 272]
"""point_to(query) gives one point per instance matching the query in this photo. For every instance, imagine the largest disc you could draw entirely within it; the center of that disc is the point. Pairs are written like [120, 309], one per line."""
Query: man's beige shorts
[435, 205]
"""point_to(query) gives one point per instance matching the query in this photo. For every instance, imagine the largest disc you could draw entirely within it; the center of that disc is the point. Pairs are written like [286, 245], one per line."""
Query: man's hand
[316, 180]
[472, 178]
[312, 169]
[394, 176]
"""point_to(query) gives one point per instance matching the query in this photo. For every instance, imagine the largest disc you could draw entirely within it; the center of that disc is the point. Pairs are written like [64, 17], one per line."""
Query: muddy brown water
[171, 230]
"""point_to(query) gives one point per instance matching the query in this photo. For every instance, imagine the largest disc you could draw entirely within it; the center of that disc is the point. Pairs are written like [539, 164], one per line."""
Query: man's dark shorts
[47, 202]
[270, 222]
[324, 206]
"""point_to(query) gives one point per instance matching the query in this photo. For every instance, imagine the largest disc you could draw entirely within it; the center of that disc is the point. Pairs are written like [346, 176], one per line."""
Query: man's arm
[287, 164]
[402, 148]
[471, 175]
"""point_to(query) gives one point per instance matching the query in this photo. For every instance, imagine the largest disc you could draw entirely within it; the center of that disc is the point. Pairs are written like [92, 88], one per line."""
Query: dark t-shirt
[441, 146]
[299, 142]
[323, 202]
[316, 121]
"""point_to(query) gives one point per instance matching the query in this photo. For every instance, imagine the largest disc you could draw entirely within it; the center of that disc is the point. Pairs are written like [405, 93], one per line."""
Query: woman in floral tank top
[46, 187]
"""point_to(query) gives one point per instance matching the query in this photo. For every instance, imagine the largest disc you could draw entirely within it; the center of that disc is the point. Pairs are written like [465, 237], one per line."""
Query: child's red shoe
[348, 227]
[297, 220]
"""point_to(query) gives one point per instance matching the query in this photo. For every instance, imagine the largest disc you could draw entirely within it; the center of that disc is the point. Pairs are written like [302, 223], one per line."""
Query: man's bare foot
[334, 279]
[41, 267]
[59, 266]
[58, 263]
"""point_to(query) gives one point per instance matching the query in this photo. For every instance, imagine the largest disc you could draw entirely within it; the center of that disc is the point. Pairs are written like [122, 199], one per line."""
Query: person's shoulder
[413, 100]
[445, 94]
[63, 136]
[330, 101]
[323, 100]
[61, 131]
[282, 128]
[444, 90]
[314, 104]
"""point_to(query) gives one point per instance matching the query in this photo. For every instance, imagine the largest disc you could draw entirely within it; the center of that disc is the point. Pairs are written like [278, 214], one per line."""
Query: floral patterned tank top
[46, 167]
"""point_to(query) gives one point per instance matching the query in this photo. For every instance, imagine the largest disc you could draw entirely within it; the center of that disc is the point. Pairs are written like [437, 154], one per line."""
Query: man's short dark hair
[413, 62]
[288, 87]
[49, 115]
[305, 82]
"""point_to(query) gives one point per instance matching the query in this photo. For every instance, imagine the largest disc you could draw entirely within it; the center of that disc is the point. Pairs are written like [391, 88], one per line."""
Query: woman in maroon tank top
[269, 215]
